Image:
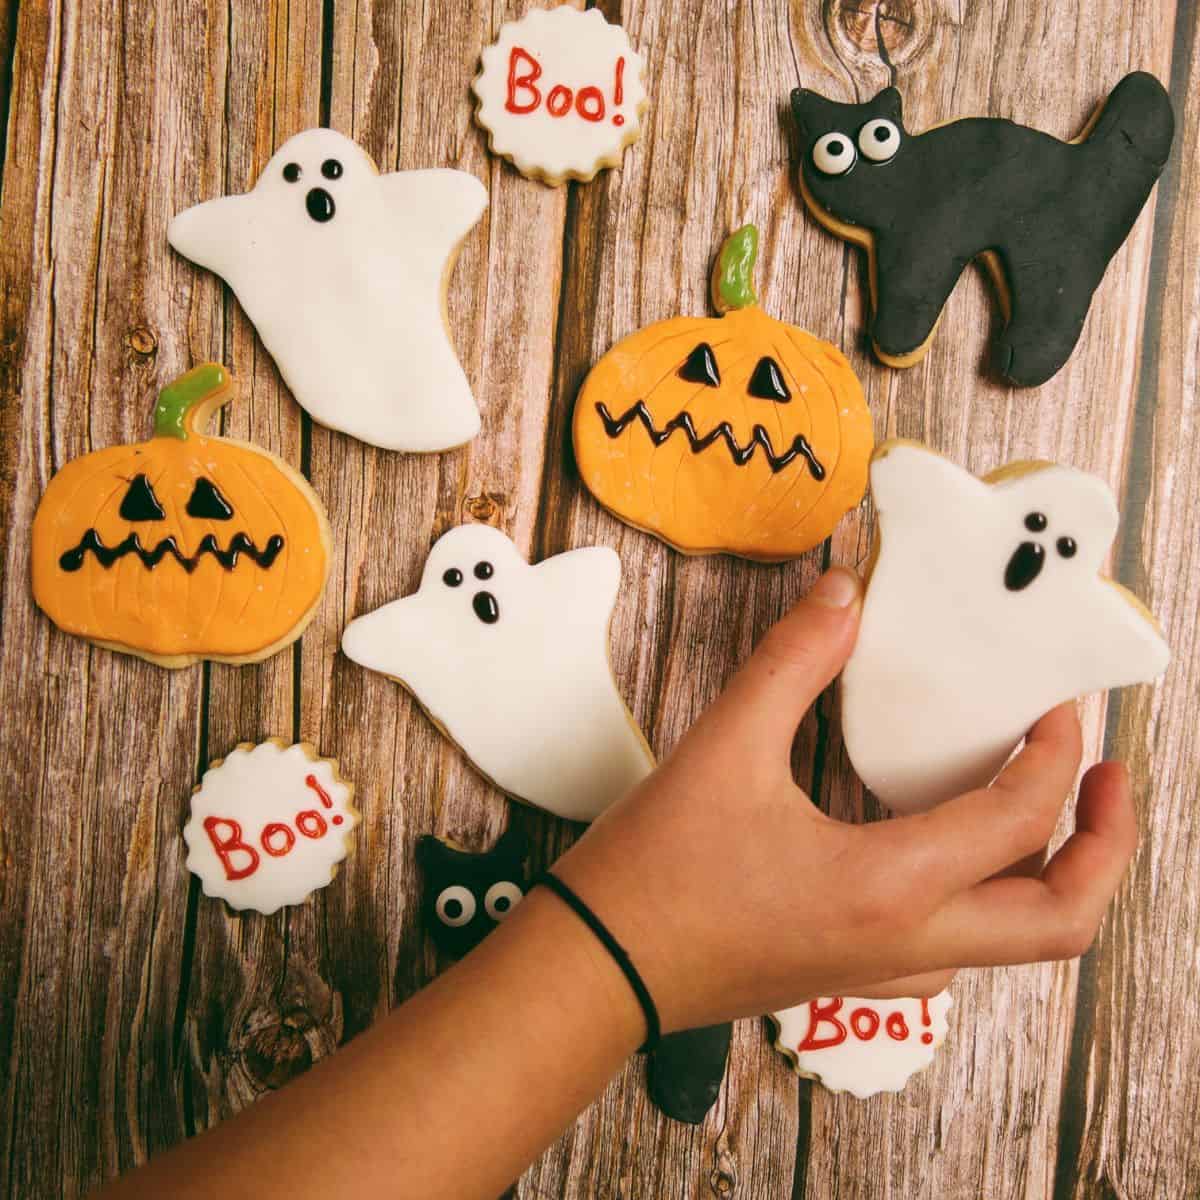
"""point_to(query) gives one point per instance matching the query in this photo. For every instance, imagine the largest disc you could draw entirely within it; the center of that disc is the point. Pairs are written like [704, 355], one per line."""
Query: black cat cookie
[465, 896]
[1045, 216]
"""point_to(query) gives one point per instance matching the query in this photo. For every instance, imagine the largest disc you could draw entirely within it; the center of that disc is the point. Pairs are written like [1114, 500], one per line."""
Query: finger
[980, 833]
[797, 659]
[1017, 920]
[926, 985]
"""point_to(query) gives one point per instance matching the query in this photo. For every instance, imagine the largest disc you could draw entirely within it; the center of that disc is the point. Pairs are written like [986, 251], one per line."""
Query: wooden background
[134, 1012]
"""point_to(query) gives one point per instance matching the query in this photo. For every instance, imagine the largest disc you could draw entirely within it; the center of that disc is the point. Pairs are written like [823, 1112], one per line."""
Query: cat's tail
[1136, 121]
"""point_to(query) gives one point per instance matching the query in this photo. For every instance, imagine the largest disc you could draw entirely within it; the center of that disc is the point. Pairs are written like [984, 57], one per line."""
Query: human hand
[735, 895]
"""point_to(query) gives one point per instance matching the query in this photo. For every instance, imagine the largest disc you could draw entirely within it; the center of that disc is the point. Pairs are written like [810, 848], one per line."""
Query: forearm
[453, 1095]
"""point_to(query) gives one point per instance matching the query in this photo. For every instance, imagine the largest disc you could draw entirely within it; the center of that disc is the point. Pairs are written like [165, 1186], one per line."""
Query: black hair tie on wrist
[616, 950]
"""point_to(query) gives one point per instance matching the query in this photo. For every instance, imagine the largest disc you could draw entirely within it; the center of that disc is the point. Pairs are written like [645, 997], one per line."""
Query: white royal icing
[952, 666]
[560, 93]
[528, 696]
[350, 307]
[261, 834]
[862, 1046]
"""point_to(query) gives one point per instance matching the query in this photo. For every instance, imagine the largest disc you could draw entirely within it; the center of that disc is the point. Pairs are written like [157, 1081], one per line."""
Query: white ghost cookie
[985, 608]
[862, 1046]
[511, 661]
[269, 824]
[343, 272]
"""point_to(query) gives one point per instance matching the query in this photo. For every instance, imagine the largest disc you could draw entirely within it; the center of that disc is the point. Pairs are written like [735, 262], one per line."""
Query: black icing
[292, 172]
[444, 866]
[685, 1071]
[1066, 546]
[1036, 522]
[331, 169]
[1053, 212]
[486, 608]
[701, 367]
[767, 382]
[320, 205]
[207, 503]
[140, 503]
[484, 570]
[228, 557]
[1024, 566]
[453, 577]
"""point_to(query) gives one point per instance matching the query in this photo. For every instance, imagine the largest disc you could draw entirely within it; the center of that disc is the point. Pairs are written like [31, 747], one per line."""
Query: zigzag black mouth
[741, 455]
[239, 544]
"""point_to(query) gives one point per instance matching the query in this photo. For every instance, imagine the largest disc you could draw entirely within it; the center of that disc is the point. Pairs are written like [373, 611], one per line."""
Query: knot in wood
[279, 1051]
[142, 341]
[885, 30]
[485, 508]
[723, 1180]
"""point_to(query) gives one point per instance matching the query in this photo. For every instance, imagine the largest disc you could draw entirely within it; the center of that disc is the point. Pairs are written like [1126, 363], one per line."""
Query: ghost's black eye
[767, 382]
[484, 570]
[452, 578]
[1036, 522]
[1066, 547]
[331, 169]
[291, 172]
[701, 367]
[140, 502]
[207, 503]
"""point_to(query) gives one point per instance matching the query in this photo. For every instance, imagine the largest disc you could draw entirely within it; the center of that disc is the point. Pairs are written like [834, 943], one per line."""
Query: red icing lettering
[228, 844]
[313, 782]
[273, 831]
[311, 823]
[865, 1023]
[818, 1013]
[926, 1019]
[619, 91]
[558, 103]
[518, 82]
[896, 1026]
[589, 104]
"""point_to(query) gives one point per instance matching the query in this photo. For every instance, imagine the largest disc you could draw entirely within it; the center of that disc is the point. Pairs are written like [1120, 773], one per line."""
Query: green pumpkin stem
[733, 276]
[190, 398]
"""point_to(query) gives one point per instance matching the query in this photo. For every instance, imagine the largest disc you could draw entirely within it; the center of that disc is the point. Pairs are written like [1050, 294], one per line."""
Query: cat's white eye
[501, 898]
[879, 140]
[833, 154]
[455, 906]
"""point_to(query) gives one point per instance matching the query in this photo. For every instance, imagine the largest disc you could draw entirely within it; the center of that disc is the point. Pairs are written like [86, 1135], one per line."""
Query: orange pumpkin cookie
[184, 547]
[735, 434]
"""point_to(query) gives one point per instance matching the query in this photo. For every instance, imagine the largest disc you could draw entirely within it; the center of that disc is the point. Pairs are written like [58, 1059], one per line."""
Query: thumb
[793, 664]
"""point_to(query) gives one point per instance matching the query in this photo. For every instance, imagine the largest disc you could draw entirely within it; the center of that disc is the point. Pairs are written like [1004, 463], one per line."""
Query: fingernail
[837, 588]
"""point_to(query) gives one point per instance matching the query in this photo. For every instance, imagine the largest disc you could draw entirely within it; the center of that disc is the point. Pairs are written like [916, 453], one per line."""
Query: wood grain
[134, 1012]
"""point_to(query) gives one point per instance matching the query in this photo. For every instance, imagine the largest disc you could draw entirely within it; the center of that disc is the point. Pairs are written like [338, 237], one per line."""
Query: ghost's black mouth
[1024, 566]
[320, 205]
[239, 544]
[486, 608]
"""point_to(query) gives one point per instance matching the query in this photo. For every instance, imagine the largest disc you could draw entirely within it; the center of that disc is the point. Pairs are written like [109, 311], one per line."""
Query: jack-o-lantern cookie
[737, 434]
[184, 547]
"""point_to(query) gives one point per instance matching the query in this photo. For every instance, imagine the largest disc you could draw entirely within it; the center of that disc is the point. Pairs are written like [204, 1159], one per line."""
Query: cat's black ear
[430, 851]
[803, 108]
[889, 104]
[513, 845]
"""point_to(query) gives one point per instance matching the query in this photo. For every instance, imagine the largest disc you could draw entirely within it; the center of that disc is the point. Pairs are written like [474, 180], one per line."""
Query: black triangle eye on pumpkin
[767, 382]
[207, 503]
[140, 503]
[701, 367]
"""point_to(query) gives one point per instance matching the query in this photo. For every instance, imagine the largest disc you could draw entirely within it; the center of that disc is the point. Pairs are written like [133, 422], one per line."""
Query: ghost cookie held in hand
[1045, 216]
[343, 272]
[185, 547]
[511, 661]
[560, 94]
[984, 609]
[737, 434]
[269, 824]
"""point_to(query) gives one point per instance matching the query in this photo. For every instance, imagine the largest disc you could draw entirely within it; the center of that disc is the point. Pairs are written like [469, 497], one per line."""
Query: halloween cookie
[343, 272]
[862, 1046]
[560, 94]
[269, 824]
[465, 895]
[184, 547]
[985, 607]
[511, 662]
[735, 434]
[1045, 216]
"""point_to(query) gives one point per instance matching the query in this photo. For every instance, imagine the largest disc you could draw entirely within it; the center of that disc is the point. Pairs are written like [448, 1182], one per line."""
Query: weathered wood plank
[1138, 1088]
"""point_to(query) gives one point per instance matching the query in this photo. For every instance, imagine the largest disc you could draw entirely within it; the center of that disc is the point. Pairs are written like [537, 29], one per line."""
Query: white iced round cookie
[343, 272]
[862, 1046]
[561, 94]
[984, 609]
[511, 661]
[268, 825]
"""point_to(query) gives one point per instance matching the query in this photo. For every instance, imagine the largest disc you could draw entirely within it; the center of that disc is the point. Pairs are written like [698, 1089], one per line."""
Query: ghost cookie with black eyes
[985, 608]
[465, 895]
[511, 662]
[343, 272]
[735, 434]
[1043, 215]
